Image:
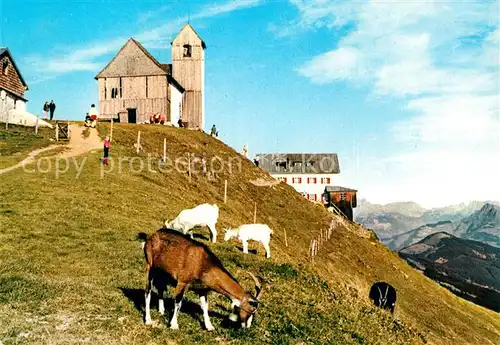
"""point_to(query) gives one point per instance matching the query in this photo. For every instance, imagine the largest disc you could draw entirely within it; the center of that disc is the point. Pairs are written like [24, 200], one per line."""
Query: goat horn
[258, 286]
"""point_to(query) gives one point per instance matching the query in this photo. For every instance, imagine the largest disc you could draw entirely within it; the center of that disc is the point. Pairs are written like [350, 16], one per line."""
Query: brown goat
[194, 267]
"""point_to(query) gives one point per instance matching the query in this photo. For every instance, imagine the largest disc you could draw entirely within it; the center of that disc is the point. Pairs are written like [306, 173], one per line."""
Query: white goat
[201, 215]
[256, 232]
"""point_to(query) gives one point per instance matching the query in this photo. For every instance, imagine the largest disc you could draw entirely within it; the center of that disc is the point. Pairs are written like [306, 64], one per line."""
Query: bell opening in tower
[187, 50]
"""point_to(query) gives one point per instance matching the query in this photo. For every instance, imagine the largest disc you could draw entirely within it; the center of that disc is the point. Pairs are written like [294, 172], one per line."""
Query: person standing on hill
[107, 144]
[52, 108]
[46, 110]
[213, 132]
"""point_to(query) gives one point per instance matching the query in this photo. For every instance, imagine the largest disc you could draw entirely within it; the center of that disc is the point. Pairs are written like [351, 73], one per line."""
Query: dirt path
[76, 146]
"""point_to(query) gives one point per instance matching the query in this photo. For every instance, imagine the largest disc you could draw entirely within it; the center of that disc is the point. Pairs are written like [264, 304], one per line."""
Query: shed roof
[5, 50]
[299, 163]
[165, 67]
[144, 50]
[339, 189]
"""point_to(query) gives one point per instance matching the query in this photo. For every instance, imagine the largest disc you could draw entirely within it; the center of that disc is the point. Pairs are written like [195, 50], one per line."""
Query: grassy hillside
[470, 269]
[17, 141]
[72, 272]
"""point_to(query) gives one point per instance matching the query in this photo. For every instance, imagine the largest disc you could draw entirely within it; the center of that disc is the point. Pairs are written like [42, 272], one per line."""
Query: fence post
[189, 166]
[111, 130]
[164, 150]
[286, 240]
[36, 125]
[138, 145]
[225, 191]
[255, 213]
[57, 132]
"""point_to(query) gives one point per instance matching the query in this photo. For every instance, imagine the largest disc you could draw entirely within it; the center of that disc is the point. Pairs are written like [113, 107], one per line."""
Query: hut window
[120, 87]
[5, 67]
[105, 89]
[187, 50]
[280, 165]
[114, 92]
[342, 196]
[146, 87]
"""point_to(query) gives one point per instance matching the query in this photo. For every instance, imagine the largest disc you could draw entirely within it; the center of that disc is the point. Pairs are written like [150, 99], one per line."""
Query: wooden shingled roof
[299, 163]
[163, 69]
[6, 51]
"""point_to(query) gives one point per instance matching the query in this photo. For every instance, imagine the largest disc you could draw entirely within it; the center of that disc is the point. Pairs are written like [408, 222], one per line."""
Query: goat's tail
[271, 232]
[142, 237]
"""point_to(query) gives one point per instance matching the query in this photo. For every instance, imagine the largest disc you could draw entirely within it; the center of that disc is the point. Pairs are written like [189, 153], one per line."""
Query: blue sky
[407, 93]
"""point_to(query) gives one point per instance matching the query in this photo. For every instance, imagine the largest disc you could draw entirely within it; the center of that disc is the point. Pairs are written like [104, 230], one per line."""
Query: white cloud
[342, 63]
[443, 59]
[454, 122]
[147, 16]
[86, 59]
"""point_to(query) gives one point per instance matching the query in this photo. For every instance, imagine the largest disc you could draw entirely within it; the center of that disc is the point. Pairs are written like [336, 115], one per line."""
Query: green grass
[72, 272]
[21, 139]
[18, 141]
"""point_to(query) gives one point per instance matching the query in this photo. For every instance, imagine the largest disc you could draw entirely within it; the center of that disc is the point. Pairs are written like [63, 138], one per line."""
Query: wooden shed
[134, 86]
[343, 198]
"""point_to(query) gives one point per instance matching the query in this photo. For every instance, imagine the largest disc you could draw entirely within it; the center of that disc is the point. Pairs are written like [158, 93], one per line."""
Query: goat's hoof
[174, 326]
[210, 328]
[148, 322]
[161, 311]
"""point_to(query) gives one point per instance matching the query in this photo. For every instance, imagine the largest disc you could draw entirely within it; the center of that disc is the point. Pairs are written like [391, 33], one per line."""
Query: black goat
[383, 295]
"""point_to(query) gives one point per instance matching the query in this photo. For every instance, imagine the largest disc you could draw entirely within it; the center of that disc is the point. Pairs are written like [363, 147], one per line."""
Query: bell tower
[188, 68]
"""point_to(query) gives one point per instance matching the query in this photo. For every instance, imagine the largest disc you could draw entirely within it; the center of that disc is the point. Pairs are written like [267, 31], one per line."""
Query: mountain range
[401, 224]
[457, 246]
[470, 269]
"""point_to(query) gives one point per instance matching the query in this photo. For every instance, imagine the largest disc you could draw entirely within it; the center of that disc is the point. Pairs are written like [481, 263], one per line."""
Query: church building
[134, 85]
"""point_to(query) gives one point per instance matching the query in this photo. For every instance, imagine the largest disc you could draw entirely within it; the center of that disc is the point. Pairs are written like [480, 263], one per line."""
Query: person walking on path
[52, 108]
[46, 111]
[107, 144]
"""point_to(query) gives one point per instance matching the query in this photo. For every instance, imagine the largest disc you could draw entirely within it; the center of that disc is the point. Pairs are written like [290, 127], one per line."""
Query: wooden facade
[188, 68]
[134, 85]
[345, 199]
[12, 86]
